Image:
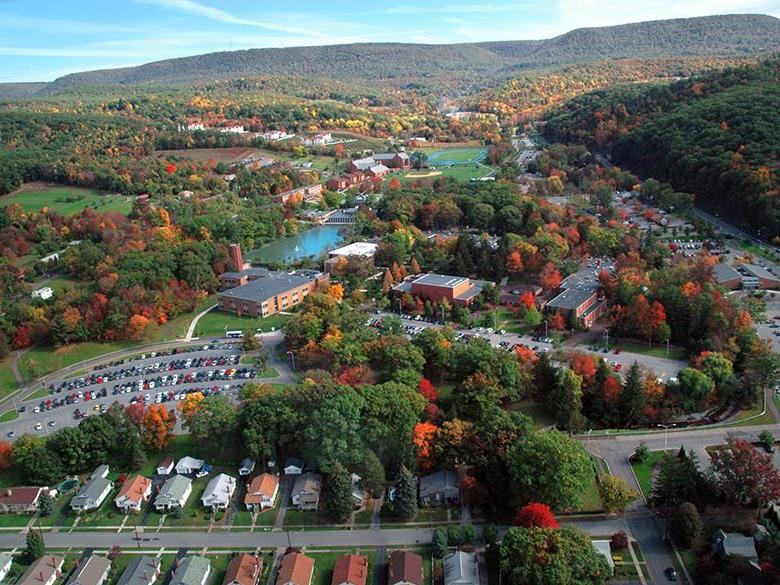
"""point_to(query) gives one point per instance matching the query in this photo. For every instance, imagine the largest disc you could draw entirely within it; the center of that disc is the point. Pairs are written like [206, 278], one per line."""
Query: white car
[38, 426]
[37, 409]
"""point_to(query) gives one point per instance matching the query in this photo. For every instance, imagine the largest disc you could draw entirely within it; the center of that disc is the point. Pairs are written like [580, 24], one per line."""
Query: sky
[44, 39]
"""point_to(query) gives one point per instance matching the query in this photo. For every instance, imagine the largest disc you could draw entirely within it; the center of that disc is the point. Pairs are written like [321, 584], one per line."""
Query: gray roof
[140, 571]
[269, 286]
[173, 489]
[759, 271]
[307, 482]
[5, 558]
[438, 482]
[723, 272]
[570, 299]
[443, 280]
[460, 568]
[41, 570]
[735, 543]
[91, 571]
[91, 491]
[191, 571]
[246, 272]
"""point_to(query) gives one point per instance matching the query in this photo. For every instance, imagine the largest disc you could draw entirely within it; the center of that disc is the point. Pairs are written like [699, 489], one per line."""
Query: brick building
[727, 276]
[458, 290]
[308, 193]
[585, 305]
[268, 292]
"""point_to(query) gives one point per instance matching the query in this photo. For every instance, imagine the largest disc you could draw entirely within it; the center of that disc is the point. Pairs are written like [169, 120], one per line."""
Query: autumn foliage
[422, 438]
[428, 390]
[6, 455]
[535, 515]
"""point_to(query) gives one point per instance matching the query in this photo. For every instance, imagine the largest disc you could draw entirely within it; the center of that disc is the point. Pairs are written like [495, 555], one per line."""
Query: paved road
[732, 230]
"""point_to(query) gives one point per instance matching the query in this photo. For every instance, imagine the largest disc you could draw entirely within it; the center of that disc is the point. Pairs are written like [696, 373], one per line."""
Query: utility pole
[606, 339]
[667, 347]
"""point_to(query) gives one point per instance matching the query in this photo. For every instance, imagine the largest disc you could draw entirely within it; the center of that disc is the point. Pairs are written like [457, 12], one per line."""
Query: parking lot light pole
[667, 347]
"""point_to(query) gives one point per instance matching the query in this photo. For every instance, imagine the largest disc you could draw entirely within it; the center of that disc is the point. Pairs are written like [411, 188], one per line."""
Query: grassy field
[644, 471]
[454, 156]
[215, 323]
[8, 416]
[65, 200]
[656, 350]
[7, 380]
[540, 418]
[40, 361]
[464, 172]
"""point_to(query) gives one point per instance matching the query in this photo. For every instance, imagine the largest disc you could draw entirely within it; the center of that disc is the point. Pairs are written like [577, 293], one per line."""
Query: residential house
[734, 543]
[440, 488]
[358, 493]
[319, 139]
[261, 492]
[44, 571]
[192, 570]
[93, 570]
[20, 500]
[405, 568]
[460, 568]
[141, 570]
[165, 467]
[134, 492]
[218, 492]
[173, 493]
[6, 560]
[189, 465]
[306, 491]
[293, 466]
[295, 569]
[93, 493]
[247, 466]
[244, 569]
[350, 570]
[604, 547]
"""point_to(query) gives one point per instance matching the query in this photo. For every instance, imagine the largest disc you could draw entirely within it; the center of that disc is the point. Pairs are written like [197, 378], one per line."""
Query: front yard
[644, 471]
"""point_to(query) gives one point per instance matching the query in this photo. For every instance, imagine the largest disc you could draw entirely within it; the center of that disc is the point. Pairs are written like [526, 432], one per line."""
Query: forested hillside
[456, 68]
[715, 136]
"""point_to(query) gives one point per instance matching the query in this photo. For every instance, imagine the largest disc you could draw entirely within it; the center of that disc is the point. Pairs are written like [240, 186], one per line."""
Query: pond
[313, 242]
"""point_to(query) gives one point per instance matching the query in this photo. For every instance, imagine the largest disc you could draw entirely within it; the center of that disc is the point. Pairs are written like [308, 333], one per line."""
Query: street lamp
[667, 347]
[666, 433]
[291, 353]
[606, 339]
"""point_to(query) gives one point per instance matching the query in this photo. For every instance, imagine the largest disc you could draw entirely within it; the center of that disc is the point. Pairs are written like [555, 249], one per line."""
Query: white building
[5, 565]
[319, 139]
[218, 492]
[43, 293]
[188, 465]
[173, 494]
[237, 129]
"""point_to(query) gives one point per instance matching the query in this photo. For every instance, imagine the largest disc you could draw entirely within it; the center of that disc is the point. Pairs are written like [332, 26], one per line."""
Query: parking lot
[161, 378]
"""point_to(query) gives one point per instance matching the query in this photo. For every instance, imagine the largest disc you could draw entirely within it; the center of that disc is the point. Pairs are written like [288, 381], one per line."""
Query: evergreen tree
[405, 503]
[337, 493]
[36, 548]
[632, 397]
[568, 400]
[686, 525]
[439, 543]
[45, 504]
[138, 456]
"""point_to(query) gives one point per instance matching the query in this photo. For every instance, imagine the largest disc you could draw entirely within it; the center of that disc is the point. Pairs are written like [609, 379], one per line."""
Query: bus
[234, 334]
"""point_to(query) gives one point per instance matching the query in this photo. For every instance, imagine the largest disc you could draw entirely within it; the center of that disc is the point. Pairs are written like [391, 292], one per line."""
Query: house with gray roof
[142, 570]
[440, 488]
[461, 568]
[173, 493]
[94, 492]
[306, 491]
[93, 570]
[6, 560]
[192, 571]
[734, 543]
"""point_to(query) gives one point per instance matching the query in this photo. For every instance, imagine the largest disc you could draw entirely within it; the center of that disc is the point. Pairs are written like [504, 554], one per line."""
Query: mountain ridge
[399, 64]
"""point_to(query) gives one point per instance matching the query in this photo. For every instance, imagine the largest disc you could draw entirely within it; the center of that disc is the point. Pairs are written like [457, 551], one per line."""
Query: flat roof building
[458, 290]
[766, 279]
[583, 303]
[271, 292]
[726, 276]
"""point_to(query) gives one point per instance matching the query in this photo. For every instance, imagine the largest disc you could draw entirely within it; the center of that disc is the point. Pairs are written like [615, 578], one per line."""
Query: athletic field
[446, 157]
[65, 200]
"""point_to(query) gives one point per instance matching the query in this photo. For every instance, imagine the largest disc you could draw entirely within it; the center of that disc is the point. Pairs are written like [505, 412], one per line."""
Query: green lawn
[294, 517]
[323, 566]
[7, 380]
[40, 393]
[194, 514]
[215, 323]
[591, 499]
[455, 155]
[656, 350]
[14, 520]
[179, 446]
[754, 411]
[539, 416]
[67, 200]
[644, 471]
[8, 416]
[41, 361]
[106, 515]
[464, 172]
[61, 514]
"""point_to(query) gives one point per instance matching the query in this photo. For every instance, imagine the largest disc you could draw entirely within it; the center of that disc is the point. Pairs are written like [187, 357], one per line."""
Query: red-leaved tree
[535, 515]
[428, 390]
[745, 473]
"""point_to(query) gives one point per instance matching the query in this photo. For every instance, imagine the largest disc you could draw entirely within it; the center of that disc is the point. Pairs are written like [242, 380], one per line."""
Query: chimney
[235, 257]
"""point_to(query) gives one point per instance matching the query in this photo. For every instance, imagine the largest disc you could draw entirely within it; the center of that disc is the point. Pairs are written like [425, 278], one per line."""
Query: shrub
[619, 540]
